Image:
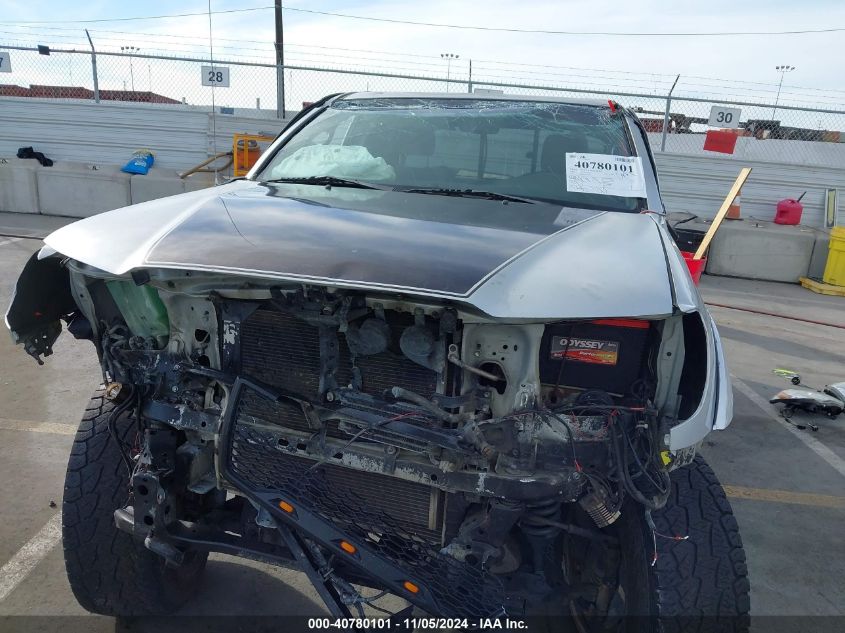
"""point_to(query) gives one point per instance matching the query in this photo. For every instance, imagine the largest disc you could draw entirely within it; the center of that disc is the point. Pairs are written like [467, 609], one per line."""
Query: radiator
[417, 507]
[398, 520]
[284, 351]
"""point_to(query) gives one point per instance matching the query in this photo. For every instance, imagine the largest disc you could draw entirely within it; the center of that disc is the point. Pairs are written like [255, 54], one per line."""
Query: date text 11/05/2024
[415, 624]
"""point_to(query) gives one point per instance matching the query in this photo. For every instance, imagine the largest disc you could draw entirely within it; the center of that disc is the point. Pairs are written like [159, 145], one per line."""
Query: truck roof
[472, 96]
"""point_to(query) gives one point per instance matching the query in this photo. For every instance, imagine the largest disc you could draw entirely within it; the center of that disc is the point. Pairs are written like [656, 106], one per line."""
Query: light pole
[448, 57]
[131, 50]
[782, 70]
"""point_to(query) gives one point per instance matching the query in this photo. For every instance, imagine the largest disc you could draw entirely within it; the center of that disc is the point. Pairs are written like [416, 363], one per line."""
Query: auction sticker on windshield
[605, 174]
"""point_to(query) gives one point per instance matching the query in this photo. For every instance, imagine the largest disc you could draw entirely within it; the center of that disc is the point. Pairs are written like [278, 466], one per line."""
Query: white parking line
[812, 443]
[9, 240]
[27, 557]
[37, 427]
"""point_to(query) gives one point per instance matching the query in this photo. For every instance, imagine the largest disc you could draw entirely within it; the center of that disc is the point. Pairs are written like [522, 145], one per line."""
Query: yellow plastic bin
[834, 270]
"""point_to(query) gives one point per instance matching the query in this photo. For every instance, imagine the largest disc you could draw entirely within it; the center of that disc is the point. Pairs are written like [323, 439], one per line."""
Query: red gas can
[789, 212]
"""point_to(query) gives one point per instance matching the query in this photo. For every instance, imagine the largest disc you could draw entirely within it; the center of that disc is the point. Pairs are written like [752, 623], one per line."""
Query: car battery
[606, 354]
[688, 239]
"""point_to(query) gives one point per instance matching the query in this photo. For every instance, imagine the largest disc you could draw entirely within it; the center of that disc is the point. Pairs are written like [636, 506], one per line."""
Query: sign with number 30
[724, 117]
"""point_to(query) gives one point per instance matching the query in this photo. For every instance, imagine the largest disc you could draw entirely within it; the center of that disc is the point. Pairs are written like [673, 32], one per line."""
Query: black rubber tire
[111, 573]
[699, 584]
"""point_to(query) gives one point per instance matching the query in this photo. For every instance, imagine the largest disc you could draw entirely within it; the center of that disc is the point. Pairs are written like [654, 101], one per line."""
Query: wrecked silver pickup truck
[438, 346]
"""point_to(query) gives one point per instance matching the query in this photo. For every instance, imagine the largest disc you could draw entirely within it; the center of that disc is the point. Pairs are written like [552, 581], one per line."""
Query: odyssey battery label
[585, 350]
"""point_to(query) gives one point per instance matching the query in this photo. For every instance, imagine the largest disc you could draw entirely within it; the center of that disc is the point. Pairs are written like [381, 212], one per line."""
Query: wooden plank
[723, 211]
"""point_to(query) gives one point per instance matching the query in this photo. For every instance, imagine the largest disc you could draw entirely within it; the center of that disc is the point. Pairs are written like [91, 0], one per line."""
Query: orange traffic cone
[733, 210]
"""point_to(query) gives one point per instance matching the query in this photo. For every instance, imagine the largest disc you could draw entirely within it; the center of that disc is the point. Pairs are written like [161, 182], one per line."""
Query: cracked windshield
[531, 151]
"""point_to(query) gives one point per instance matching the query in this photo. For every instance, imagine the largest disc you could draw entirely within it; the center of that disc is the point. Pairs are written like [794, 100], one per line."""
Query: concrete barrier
[158, 183]
[820, 251]
[18, 185]
[198, 181]
[754, 249]
[81, 190]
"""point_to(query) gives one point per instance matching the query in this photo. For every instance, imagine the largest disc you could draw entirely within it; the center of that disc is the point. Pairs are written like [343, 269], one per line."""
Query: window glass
[510, 147]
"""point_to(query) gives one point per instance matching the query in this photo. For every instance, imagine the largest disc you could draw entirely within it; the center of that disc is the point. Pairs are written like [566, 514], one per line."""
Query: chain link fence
[753, 127]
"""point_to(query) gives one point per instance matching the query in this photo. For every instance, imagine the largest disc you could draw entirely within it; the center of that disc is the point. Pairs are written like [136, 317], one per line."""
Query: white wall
[108, 133]
[812, 153]
[698, 184]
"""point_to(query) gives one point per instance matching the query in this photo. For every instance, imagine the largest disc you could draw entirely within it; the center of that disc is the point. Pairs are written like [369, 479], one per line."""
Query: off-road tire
[698, 584]
[110, 572]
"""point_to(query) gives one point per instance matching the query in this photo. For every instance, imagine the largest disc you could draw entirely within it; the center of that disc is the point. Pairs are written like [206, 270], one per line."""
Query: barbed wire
[347, 58]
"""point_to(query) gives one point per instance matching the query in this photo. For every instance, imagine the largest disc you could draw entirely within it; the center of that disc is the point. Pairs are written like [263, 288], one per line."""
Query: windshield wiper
[330, 181]
[471, 193]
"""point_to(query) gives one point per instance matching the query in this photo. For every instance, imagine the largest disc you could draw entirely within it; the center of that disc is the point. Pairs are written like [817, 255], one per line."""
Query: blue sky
[733, 62]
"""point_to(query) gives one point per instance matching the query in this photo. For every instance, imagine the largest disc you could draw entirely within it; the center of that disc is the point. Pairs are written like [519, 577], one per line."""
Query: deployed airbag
[341, 161]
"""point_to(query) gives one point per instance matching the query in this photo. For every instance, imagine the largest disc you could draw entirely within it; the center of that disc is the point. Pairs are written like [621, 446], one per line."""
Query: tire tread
[109, 572]
[704, 579]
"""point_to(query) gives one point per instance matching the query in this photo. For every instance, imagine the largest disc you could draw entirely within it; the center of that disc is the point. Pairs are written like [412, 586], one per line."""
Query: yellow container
[246, 148]
[834, 270]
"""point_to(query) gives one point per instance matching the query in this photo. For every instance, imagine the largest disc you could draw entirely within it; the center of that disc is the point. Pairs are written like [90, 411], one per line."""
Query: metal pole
[777, 98]
[94, 68]
[469, 83]
[666, 114]
[448, 57]
[280, 63]
[782, 70]
[131, 50]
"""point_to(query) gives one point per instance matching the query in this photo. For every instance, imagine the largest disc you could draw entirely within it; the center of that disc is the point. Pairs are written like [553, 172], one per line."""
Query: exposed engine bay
[453, 454]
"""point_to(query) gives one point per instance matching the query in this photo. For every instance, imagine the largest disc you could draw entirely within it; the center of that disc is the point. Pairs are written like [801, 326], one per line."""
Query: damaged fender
[40, 299]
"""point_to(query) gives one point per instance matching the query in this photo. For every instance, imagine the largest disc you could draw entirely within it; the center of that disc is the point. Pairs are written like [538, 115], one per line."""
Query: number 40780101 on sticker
[605, 174]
